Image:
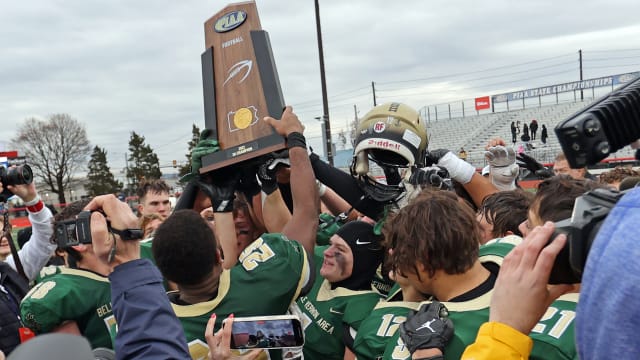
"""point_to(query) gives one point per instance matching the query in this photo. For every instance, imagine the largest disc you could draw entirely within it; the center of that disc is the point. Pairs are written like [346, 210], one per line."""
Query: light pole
[326, 144]
[323, 82]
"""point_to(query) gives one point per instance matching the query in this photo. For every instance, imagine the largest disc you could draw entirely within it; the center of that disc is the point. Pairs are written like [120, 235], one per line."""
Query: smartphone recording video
[267, 332]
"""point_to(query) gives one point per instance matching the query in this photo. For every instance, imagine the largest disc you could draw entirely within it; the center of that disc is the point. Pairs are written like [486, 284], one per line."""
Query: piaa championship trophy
[240, 86]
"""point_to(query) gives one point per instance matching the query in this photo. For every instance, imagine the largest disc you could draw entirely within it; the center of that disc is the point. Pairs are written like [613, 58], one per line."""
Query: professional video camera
[607, 125]
[17, 175]
[581, 229]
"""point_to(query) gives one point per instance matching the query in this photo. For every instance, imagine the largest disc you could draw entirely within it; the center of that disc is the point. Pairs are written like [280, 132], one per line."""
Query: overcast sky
[120, 66]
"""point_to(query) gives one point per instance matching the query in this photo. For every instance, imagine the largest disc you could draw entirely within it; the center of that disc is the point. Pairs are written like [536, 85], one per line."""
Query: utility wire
[479, 86]
[500, 76]
[475, 72]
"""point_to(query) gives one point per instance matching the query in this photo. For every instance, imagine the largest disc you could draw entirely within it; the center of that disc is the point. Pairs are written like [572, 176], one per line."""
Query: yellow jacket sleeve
[499, 341]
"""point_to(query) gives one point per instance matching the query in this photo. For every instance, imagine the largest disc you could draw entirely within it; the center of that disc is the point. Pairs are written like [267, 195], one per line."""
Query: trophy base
[242, 152]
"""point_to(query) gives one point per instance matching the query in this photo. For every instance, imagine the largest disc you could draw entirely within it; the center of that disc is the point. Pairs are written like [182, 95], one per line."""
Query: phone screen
[266, 333]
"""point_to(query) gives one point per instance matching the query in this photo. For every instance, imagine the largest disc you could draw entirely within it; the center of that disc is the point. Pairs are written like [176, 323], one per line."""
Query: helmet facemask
[394, 137]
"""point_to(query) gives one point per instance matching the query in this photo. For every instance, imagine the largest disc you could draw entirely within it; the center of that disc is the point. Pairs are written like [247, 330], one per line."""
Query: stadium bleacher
[473, 132]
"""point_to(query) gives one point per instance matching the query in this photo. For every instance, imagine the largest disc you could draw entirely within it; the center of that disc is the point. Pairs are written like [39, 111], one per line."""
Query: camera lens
[18, 175]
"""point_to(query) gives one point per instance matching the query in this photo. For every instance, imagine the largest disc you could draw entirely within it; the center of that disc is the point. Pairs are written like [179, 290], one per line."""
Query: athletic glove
[204, 147]
[432, 176]
[428, 328]
[503, 167]
[248, 184]
[267, 171]
[527, 162]
[460, 170]
[221, 190]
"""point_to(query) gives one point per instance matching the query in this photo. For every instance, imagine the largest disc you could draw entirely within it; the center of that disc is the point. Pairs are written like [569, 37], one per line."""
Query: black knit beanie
[367, 254]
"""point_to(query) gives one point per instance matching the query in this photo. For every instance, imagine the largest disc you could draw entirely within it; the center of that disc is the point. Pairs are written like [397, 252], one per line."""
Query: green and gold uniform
[376, 330]
[553, 336]
[270, 274]
[64, 294]
[145, 249]
[325, 312]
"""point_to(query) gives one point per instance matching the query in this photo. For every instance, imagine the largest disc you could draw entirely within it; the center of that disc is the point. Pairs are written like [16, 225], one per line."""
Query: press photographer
[22, 265]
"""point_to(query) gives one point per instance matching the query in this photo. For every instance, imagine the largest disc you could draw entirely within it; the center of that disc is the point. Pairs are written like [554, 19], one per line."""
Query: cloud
[122, 66]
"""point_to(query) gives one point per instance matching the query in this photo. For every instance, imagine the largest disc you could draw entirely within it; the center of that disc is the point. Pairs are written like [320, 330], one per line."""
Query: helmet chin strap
[386, 194]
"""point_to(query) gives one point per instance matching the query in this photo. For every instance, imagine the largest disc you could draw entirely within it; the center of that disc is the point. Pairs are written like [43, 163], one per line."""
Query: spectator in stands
[14, 278]
[615, 176]
[561, 167]
[501, 213]
[462, 154]
[518, 126]
[525, 131]
[514, 132]
[153, 197]
[543, 135]
[525, 138]
[534, 128]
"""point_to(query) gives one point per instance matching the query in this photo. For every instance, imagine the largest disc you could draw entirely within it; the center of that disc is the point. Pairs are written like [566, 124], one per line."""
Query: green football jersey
[467, 316]
[553, 336]
[267, 279]
[324, 312]
[64, 294]
[145, 250]
[382, 284]
[379, 326]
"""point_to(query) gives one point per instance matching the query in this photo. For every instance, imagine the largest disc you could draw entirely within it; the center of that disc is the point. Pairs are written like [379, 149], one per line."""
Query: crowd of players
[436, 261]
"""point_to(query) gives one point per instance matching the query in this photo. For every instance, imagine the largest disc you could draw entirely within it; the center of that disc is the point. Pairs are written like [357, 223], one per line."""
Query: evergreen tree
[142, 162]
[195, 137]
[101, 180]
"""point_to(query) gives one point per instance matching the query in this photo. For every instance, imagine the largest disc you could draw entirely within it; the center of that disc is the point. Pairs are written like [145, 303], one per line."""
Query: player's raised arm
[304, 222]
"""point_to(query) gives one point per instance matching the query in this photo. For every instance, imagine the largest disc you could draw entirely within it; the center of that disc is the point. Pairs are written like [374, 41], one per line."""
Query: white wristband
[459, 170]
[322, 188]
[33, 202]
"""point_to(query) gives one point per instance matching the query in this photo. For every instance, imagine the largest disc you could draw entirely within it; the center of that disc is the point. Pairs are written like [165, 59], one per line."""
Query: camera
[589, 212]
[586, 137]
[606, 126]
[17, 175]
[73, 231]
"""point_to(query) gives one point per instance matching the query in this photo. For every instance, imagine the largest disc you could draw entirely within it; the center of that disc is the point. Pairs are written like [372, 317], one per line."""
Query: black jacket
[12, 289]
